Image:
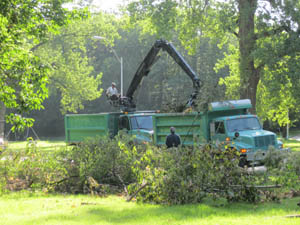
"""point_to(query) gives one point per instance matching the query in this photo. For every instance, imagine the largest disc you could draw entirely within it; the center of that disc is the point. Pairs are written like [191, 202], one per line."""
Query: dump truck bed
[80, 126]
[188, 125]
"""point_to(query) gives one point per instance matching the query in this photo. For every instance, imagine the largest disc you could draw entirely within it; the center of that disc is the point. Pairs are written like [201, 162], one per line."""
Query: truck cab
[138, 124]
[244, 133]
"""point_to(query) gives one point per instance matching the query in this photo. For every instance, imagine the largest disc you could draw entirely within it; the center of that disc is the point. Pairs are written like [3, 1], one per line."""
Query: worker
[112, 92]
[173, 140]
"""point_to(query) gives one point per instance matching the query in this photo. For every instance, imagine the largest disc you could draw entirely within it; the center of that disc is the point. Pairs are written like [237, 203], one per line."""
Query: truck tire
[243, 162]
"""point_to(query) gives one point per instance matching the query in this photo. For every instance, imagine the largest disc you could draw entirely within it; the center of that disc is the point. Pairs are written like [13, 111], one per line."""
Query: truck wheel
[243, 162]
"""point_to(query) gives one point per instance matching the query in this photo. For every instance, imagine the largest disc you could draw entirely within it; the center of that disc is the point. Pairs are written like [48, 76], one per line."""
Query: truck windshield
[239, 124]
[142, 122]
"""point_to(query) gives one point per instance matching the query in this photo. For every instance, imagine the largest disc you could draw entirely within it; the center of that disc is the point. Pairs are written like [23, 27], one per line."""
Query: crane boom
[145, 68]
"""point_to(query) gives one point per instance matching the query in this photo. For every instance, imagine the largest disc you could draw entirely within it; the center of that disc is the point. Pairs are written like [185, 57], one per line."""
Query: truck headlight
[280, 145]
[243, 150]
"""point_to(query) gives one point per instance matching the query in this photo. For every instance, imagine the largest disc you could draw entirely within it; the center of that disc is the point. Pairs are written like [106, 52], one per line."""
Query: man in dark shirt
[173, 140]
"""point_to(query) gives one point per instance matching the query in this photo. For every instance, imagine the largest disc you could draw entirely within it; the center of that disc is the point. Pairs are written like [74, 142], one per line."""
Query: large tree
[261, 34]
[23, 77]
[268, 36]
[267, 32]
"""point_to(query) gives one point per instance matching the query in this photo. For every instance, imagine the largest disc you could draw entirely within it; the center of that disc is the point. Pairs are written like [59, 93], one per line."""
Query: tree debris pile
[148, 173]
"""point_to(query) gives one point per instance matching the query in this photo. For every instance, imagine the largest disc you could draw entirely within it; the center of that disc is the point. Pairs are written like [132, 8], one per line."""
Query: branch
[135, 193]
[259, 68]
[38, 45]
[122, 182]
[59, 82]
[257, 186]
[277, 30]
[63, 35]
[235, 34]
[62, 180]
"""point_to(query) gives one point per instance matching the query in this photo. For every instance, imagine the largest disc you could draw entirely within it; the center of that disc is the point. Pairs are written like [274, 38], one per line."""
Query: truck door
[124, 123]
[142, 127]
[217, 132]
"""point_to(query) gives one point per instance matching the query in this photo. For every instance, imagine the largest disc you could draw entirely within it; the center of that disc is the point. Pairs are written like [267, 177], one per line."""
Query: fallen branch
[62, 180]
[293, 216]
[122, 182]
[135, 193]
[256, 186]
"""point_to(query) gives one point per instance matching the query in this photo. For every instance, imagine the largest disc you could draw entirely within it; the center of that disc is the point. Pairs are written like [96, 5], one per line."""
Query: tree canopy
[260, 36]
[23, 80]
[68, 54]
[238, 48]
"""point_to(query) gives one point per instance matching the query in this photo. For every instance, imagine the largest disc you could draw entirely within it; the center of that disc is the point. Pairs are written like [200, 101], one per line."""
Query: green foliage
[68, 54]
[23, 79]
[188, 35]
[232, 81]
[108, 162]
[158, 18]
[277, 98]
[284, 169]
[101, 159]
[263, 56]
[148, 173]
[23, 84]
[31, 168]
[274, 158]
[188, 175]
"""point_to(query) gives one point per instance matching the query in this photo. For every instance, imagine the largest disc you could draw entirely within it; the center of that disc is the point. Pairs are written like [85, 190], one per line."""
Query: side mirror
[236, 135]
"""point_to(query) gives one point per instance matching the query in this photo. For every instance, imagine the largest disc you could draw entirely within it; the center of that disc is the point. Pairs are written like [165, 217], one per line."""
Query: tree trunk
[249, 74]
[2, 119]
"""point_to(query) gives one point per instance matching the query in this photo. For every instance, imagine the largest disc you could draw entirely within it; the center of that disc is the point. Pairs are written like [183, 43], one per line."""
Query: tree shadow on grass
[157, 214]
[141, 214]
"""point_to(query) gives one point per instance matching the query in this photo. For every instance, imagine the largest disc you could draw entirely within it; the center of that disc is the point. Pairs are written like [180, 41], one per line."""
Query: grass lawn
[43, 145]
[52, 145]
[291, 143]
[22, 208]
[294, 145]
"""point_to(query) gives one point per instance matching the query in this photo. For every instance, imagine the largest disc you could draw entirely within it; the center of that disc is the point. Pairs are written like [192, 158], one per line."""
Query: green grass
[291, 143]
[43, 145]
[294, 145]
[58, 209]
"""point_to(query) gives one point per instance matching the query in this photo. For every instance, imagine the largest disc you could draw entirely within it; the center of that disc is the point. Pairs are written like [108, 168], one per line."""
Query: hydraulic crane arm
[148, 62]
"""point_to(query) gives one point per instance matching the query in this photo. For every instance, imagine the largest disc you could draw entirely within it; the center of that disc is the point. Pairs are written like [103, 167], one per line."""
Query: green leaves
[23, 77]
[155, 17]
[73, 76]
[22, 84]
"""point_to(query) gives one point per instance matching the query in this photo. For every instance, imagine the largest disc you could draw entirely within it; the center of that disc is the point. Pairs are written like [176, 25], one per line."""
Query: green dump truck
[225, 124]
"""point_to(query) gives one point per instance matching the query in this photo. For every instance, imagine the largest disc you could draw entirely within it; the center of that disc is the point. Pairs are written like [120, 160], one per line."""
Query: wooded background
[51, 64]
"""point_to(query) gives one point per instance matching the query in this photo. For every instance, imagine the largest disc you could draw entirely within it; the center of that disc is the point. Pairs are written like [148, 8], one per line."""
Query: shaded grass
[70, 209]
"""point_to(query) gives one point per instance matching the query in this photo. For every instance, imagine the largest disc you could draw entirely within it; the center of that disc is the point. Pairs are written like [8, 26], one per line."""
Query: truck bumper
[260, 155]
[285, 150]
[256, 156]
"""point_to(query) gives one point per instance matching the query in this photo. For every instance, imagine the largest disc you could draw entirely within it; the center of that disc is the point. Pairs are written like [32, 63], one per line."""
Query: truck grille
[264, 141]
